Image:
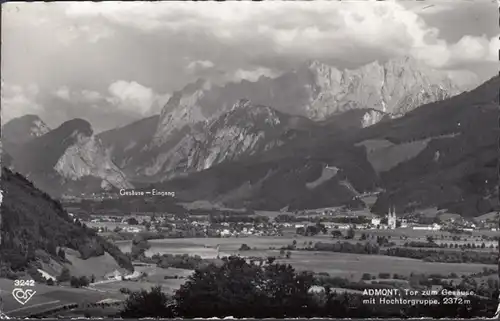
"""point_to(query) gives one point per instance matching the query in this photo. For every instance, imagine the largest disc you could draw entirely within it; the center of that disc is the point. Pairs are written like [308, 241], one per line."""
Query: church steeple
[391, 221]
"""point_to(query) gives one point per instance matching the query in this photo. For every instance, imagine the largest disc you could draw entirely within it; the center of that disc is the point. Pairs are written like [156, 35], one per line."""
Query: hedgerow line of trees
[383, 247]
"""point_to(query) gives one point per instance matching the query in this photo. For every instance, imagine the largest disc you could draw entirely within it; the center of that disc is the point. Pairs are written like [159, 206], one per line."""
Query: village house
[115, 275]
[131, 229]
[433, 227]
[376, 221]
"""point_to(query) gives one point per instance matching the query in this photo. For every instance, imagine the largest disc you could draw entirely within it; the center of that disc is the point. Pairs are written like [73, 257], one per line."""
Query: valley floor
[346, 265]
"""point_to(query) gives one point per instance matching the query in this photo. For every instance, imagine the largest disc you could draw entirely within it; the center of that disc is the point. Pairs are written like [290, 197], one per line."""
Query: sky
[112, 63]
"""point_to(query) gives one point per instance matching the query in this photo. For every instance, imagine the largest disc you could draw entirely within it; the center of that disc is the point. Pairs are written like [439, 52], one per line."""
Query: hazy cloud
[131, 96]
[91, 96]
[63, 93]
[251, 75]
[198, 65]
[126, 58]
[18, 101]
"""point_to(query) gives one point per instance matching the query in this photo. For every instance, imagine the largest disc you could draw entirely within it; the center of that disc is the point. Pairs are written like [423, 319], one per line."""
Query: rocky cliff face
[371, 118]
[396, 87]
[127, 145]
[246, 129]
[69, 157]
[86, 158]
[314, 90]
[182, 109]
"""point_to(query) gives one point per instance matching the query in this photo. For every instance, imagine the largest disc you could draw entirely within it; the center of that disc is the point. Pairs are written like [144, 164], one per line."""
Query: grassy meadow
[336, 264]
[47, 297]
[155, 276]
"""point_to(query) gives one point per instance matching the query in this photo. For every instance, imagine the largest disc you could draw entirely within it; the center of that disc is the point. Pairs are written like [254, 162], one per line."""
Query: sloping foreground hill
[34, 226]
[451, 164]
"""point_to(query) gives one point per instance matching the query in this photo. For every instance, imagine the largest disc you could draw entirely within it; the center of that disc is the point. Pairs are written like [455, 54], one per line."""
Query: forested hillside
[35, 226]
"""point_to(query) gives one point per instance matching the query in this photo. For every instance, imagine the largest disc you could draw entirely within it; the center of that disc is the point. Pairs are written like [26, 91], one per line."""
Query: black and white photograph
[240, 159]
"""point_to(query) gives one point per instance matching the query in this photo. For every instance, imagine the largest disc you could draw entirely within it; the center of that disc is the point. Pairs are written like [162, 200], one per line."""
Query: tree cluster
[240, 289]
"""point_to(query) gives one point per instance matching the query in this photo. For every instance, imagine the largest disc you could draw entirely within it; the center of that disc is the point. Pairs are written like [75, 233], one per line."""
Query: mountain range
[330, 136]
[312, 92]
[442, 154]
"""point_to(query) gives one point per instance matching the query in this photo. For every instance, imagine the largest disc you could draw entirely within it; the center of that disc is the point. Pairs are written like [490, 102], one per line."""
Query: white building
[436, 227]
[391, 218]
[376, 221]
[422, 227]
[115, 275]
[132, 229]
[433, 227]
[47, 276]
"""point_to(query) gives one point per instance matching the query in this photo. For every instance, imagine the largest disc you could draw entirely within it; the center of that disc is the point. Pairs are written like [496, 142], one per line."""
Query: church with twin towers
[391, 218]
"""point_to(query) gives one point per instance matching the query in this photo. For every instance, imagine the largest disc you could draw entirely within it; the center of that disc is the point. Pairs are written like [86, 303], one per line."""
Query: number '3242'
[24, 283]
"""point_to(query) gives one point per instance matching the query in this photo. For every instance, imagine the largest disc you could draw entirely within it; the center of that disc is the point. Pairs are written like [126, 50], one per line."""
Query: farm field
[155, 277]
[168, 286]
[48, 297]
[336, 264]
[354, 265]
[206, 247]
[98, 266]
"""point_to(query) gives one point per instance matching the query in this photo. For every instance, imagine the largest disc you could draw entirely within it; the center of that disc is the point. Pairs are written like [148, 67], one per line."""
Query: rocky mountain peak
[88, 158]
[405, 61]
[317, 66]
[22, 129]
[315, 90]
[181, 109]
[242, 103]
[77, 125]
[245, 113]
[199, 85]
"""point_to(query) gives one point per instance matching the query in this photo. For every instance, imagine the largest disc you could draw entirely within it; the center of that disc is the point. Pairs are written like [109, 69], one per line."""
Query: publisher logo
[23, 296]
